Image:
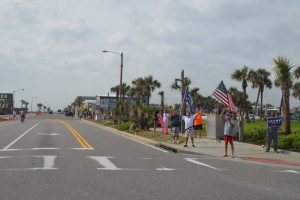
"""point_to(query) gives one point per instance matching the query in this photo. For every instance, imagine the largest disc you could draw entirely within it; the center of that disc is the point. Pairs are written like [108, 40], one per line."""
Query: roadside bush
[124, 126]
[256, 136]
[291, 141]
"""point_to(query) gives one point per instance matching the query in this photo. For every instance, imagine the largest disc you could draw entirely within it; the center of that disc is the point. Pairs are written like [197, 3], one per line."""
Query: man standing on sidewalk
[228, 132]
[175, 122]
[272, 134]
[189, 127]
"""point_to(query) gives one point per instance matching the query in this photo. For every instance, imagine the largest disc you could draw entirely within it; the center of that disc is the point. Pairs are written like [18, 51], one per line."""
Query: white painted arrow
[105, 162]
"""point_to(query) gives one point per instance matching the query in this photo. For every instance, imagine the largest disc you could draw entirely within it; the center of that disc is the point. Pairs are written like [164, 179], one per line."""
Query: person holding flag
[189, 127]
[222, 95]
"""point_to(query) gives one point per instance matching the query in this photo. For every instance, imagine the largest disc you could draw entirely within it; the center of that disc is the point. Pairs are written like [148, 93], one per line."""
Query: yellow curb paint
[75, 133]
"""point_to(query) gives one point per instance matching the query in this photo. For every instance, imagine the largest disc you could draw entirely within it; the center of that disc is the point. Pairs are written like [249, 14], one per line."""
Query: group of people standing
[193, 124]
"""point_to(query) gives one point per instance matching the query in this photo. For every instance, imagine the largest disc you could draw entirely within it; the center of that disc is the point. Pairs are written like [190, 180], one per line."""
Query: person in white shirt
[189, 127]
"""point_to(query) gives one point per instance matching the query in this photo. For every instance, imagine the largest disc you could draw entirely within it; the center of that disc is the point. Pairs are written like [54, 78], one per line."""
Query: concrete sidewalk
[245, 151]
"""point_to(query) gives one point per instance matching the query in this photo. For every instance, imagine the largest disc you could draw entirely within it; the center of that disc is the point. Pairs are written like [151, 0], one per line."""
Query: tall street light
[121, 74]
[14, 97]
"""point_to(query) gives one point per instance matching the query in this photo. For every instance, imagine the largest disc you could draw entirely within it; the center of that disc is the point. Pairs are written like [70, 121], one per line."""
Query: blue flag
[188, 99]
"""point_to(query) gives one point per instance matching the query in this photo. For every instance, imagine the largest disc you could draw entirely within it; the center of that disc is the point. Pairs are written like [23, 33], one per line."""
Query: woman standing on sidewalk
[228, 132]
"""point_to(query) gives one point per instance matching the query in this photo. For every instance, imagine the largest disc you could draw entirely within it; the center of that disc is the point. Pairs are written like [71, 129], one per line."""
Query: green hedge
[124, 126]
[291, 141]
[256, 136]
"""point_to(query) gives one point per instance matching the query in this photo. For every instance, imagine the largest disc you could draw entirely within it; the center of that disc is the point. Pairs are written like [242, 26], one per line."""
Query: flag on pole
[188, 99]
[222, 95]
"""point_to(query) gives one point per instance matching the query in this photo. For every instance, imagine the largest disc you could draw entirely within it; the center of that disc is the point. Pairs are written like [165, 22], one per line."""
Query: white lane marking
[45, 148]
[6, 157]
[49, 162]
[83, 148]
[105, 162]
[290, 171]
[194, 160]
[8, 124]
[48, 134]
[10, 150]
[147, 158]
[30, 169]
[164, 169]
[13, 142]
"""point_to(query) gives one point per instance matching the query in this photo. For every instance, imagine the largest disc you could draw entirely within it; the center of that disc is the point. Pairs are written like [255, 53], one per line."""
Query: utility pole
[183, 105]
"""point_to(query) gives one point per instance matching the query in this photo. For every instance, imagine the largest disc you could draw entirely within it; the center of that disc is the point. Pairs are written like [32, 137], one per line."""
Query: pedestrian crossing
[19, 163]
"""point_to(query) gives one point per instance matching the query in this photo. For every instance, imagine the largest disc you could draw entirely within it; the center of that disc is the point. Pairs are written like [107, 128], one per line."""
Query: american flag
[188, 99]
[222, 95]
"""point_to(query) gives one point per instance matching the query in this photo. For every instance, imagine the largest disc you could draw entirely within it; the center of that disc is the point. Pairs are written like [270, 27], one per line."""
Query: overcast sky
[53, 48]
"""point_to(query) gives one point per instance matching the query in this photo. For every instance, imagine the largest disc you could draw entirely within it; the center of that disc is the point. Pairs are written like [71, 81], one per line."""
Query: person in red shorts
[228, 132]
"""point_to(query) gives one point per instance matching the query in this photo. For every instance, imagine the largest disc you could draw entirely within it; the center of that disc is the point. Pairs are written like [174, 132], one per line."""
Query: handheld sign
[274, 121]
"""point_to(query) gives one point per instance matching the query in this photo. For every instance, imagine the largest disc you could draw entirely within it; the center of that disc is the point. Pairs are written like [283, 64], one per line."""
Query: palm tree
[125, 89]
[260, 79]
[243, 75]
[197, 97]
[162, 100]
[284, 79]
[116, 89]
[296, 86]
[138, 90]
[39, 105]
[150, 85]
[296, 90]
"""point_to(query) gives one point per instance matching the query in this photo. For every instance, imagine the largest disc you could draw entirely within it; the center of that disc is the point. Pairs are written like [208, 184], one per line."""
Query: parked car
[69, 114]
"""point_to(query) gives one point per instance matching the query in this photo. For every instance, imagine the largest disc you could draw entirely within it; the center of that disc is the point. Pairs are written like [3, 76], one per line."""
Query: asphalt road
[60, 158]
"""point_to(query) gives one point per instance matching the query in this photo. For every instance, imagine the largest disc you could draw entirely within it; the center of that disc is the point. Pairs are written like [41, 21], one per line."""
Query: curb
[162, 145]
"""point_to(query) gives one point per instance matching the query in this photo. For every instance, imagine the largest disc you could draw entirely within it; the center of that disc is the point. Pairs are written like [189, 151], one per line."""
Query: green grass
[261, 124]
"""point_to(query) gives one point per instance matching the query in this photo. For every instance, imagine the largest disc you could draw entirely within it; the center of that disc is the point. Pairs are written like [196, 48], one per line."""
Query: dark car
[69, 114]
[50, 112]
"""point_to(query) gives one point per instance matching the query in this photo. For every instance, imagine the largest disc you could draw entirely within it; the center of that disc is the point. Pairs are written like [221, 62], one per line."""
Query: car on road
[69, 114]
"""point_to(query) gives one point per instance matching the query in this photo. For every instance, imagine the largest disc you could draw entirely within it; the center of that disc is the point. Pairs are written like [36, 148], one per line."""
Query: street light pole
[120, 86]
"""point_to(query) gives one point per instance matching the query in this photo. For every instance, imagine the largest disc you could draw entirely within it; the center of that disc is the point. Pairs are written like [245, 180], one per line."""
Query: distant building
[107, 103]
[6, 103]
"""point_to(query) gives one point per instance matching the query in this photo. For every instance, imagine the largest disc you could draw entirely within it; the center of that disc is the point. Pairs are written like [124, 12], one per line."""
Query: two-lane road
[55, 157]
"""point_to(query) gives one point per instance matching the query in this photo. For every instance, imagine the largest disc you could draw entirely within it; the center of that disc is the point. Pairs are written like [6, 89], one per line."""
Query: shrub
[256, 136]
[291, 141]
[124, 126]
[296, 142]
